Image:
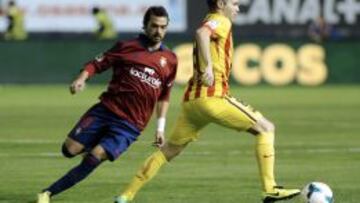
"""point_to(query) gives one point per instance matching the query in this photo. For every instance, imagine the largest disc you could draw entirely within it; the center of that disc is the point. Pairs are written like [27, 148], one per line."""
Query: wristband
[161, 124]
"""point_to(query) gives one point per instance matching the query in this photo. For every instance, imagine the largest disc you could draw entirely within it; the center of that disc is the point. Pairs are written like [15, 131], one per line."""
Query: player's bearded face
[156, 28]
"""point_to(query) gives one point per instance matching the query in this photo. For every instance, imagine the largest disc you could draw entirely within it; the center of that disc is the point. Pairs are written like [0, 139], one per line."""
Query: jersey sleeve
[104, 61]
[219, 27]
[165, 93]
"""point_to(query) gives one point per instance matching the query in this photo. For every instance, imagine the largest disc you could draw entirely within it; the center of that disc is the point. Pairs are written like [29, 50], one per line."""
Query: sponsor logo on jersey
[146, 76]
[213, 24]
[149, 71]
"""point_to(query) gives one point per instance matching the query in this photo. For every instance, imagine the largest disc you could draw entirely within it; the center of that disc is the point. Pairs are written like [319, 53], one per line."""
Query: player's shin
[75, 175]
[266, 158]
[150, 168]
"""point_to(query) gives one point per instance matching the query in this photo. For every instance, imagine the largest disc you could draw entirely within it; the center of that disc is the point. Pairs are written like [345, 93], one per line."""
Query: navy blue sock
[75, 175]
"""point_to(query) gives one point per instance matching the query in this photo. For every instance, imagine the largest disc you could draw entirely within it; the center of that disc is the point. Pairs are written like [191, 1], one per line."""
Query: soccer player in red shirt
[143, 74]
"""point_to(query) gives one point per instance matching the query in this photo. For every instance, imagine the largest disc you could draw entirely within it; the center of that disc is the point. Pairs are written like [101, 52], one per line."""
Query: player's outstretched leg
[266, 159]
[150, 168]
[75, 175]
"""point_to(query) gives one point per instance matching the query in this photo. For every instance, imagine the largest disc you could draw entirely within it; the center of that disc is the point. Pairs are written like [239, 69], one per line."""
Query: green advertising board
[255, 62]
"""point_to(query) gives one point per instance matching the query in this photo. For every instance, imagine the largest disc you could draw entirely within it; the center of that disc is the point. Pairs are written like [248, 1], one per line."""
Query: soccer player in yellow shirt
[105, 28]
[207, 100]
[15, 29]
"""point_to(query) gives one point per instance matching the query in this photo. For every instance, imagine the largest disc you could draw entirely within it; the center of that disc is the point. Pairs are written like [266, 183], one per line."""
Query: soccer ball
[317, 192]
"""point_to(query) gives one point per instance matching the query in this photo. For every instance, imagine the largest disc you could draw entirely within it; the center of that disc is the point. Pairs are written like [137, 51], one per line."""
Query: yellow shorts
[198, 113]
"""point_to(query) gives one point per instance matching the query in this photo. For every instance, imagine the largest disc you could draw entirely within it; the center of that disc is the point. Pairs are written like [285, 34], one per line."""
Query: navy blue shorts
[100, 126]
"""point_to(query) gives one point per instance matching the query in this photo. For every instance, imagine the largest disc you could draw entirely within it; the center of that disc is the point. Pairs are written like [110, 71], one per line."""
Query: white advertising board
[75, 16]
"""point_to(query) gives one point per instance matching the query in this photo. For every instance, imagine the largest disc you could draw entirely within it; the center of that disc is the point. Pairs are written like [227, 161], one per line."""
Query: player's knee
[71, 148]
[66, 152]
[270, 127]
[100, 153]
[264, 126]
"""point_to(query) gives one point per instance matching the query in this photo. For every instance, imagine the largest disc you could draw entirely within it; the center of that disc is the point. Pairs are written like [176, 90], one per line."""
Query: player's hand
[159, 139]
[208, 76]
[77, 86]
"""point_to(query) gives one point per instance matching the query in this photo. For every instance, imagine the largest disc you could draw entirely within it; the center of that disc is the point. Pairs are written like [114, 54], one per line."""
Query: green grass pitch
[317, 140]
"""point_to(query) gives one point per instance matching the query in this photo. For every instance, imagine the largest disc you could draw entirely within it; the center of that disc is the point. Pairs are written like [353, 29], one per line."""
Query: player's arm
[101, 63]
[79, 83]
[101, 26]
[162, 106]
[161, 111]
[11, 22]
[203, 35]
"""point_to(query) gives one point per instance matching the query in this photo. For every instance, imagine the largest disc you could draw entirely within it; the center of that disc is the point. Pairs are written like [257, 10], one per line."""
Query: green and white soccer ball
[317, 192]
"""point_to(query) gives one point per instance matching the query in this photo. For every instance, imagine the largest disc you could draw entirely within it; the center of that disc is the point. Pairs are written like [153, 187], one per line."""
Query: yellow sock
[150, 168]
[265, 153]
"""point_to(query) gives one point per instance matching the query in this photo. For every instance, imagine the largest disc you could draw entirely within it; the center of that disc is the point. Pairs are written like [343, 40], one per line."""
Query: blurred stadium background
[308, 87]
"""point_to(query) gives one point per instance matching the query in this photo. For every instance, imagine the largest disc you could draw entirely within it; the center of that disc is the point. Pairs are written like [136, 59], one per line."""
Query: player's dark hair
[158, 11]
[11, 3]
[95, 10]
[212, 4]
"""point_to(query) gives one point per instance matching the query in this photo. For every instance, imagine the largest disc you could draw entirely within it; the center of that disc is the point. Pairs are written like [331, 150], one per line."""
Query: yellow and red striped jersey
[221, 49]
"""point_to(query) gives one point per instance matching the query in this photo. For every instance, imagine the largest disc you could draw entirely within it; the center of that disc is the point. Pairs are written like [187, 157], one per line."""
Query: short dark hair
[95, 10]
[212, 4]
[11, 3]
[159, 11]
